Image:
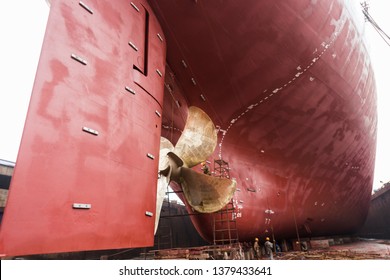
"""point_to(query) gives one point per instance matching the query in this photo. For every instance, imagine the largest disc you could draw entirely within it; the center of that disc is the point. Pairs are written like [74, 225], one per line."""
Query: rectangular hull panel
[84, 178]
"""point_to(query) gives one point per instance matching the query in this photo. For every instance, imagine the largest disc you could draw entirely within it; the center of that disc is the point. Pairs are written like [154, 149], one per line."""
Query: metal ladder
[224, 220]
[224, 226]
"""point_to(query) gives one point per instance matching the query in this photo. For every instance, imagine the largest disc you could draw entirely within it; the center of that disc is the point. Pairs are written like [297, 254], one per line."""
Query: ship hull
[290, 87]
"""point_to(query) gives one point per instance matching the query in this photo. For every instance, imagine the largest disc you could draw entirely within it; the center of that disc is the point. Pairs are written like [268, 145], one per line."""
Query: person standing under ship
[268, 248]
[256, 248]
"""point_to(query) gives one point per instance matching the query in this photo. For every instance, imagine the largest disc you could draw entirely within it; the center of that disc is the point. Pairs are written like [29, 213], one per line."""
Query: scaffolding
[221, 169]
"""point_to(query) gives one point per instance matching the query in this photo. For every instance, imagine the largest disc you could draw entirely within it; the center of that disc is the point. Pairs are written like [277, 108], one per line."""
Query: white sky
[22, 27]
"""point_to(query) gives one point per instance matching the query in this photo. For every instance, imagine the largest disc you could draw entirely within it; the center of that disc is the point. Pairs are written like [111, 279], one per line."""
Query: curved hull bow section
[290, 86]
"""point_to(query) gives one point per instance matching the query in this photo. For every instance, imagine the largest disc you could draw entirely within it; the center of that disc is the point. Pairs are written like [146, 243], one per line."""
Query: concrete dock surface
[360, 249]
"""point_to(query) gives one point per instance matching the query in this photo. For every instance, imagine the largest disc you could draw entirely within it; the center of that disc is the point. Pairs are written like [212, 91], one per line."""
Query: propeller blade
[175, 164]
[205, 193]
[162, 184]
[198, 140]
[165, 147]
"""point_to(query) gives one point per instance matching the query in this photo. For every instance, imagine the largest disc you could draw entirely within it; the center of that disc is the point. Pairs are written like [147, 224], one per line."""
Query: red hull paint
[291, 86]
[60, 164]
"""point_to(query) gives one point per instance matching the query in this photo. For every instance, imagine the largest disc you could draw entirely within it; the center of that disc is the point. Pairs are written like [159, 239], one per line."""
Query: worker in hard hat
[205, 168]
[268, 248]
[256, 248]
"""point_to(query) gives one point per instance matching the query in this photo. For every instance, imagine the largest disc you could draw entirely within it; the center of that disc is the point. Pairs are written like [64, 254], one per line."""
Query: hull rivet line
[149, 214]
[134, 6]
[150, 156]
[81, 206]
[130, 90]
[86, 7]
[78, 59]
[133, 46]
[90, 130]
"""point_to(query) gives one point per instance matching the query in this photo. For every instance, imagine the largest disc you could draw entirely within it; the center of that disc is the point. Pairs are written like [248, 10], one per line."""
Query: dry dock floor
[364, 249]
[358, 249]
